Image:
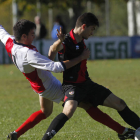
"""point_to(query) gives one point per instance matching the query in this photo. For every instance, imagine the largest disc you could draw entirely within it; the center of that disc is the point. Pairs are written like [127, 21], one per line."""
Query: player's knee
[122, 102]
[121, 105]
[69, 113]
[69, 108]
[47, 112]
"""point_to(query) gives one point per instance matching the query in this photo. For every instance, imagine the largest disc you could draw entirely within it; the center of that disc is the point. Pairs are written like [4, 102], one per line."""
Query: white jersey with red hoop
[35, 67]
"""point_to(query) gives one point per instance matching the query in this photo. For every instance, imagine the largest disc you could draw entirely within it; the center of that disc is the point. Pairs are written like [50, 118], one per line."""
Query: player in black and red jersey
[78, 87]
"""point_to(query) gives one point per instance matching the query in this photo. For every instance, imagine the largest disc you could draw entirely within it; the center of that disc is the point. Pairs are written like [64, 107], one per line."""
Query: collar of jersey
[20, 43]
[72, 37]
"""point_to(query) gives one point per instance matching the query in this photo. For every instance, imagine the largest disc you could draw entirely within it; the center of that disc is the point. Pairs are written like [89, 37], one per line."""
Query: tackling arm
[39, 61]
[35, 59]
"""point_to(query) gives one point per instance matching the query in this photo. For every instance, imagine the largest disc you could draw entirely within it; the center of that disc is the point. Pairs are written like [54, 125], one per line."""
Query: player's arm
[39, 61]
[57, 45]
[35, 59]
[4, 35]
[75, 61]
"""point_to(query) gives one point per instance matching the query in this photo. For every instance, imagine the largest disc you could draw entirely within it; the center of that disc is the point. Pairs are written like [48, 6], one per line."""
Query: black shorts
[88, 92]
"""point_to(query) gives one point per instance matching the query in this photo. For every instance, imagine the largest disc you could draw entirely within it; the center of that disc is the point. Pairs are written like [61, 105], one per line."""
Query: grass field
[18, 101]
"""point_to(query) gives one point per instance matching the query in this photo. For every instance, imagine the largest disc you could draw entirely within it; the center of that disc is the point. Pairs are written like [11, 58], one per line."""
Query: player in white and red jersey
[36, 69]
[34, 66]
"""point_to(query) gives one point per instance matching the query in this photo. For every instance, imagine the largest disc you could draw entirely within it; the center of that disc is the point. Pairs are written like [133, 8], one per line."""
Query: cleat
[12, 136]
[129, 134]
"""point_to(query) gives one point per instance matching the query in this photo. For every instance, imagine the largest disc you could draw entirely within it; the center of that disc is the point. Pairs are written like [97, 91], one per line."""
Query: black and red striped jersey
[72, 49]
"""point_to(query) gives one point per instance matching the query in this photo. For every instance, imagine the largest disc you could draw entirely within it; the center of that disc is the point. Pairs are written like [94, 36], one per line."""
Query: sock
[130, 117]
[103, 118]
[34, 119]
[55, 126]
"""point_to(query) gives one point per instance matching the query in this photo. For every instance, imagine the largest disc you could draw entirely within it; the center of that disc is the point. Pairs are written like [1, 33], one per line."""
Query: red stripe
[33, 48]
[72, 36]
[65, 98]
[60, 52]
[83, 68]
[81, 73]
[9, 46]
[35, 81]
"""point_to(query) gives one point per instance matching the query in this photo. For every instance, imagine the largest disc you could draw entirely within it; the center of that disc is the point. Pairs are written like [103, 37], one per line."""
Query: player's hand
[85, 54]
[60, 35]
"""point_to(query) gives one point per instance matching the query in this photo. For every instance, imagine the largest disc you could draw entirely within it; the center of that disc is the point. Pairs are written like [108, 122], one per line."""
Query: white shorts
[54, 93]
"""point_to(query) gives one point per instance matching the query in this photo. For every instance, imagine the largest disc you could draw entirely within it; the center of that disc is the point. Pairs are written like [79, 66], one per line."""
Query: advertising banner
[109, 47]
[100, 47]
[135, 47]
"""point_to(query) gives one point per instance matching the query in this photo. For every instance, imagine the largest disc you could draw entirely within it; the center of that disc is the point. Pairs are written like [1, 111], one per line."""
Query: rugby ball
[137, 134]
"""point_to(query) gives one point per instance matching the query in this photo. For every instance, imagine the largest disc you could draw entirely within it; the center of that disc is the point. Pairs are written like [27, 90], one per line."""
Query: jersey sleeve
[4, 35]
[35, 59]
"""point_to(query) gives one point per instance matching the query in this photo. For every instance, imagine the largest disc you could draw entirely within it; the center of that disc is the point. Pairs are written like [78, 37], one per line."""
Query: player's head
[24, 31]
[88, 23]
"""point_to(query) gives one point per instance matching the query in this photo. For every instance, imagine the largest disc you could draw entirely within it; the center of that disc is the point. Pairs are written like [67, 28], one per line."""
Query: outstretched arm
[4, 35]
[35, 59]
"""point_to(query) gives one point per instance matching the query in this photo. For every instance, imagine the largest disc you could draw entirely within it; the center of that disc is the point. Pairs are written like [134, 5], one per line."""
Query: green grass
[18, 101]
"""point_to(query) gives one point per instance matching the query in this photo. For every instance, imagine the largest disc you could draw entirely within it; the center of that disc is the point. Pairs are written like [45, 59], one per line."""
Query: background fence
[100, 47]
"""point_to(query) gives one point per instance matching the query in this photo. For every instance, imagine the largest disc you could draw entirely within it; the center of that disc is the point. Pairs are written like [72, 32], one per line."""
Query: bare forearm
[54, 49]
[73, 62]
[51, 54]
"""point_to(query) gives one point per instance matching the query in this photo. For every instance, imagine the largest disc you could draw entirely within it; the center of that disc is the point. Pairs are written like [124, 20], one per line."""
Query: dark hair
[87, 18]
[23, 26]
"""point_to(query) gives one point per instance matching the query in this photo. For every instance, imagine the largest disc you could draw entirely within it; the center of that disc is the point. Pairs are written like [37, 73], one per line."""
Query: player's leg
[102, 117]
[59, 121]
[97, 96]
[128, 116]
[100, 95]
[71, 100]
[45, 111]
[46, 106]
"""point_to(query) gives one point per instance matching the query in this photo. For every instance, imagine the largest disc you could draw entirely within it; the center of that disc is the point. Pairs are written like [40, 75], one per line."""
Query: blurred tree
[27, 9]
[118, 21]
[6, 14]
[78, 6]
